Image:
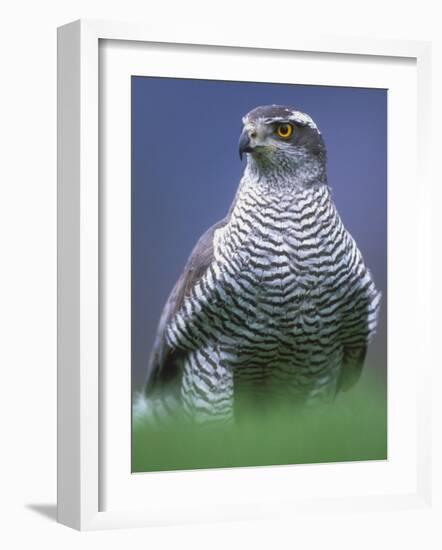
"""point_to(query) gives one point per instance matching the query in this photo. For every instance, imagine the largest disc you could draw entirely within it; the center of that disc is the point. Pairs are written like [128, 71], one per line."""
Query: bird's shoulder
[199, 260]
[163, 358]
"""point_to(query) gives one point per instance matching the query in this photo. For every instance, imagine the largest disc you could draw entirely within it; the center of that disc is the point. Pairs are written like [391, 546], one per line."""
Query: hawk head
[281, 141]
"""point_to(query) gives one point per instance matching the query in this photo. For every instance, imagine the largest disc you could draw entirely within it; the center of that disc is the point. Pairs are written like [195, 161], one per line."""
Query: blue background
[186, 169]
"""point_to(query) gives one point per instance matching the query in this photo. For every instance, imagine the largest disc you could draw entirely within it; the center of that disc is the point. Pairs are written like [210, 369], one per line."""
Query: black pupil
[284, 129]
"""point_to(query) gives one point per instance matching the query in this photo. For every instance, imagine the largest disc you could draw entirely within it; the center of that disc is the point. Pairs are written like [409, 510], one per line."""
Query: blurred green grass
[353, 428]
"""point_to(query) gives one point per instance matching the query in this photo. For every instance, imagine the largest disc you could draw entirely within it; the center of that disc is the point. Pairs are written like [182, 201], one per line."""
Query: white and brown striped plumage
[275, 300]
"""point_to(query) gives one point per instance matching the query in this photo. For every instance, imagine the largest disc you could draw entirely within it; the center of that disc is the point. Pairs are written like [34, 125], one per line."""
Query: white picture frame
[80, 268]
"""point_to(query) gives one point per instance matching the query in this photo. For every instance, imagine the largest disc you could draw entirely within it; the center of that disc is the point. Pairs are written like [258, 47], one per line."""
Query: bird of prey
[275, 299]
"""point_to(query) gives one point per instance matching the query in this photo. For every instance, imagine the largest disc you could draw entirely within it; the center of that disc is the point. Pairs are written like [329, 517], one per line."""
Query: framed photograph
[243, 251]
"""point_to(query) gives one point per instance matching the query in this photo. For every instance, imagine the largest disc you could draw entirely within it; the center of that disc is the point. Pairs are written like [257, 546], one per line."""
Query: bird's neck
[258, 196]
[284, 174]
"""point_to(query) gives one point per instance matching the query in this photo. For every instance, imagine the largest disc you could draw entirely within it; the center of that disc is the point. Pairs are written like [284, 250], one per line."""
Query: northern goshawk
[275, 300]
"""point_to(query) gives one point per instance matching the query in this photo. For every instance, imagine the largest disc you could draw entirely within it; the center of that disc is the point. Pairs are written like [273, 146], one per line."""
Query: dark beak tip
[244, 144]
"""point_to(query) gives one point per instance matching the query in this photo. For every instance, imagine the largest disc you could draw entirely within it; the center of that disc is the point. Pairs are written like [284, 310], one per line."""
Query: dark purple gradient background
[185, 172]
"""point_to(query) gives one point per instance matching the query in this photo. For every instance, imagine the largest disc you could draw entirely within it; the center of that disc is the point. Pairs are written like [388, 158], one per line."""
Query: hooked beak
[244, 144]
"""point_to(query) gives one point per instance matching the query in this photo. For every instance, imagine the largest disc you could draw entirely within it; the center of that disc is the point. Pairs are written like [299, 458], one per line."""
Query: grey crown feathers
[275, 299]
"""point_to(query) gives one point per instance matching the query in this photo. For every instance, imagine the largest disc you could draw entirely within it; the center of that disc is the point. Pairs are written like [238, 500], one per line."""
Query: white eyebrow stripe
[295, 116]
[303, 118]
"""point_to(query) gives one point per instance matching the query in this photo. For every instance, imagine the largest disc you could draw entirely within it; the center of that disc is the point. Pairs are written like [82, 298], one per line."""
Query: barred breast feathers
[298, 244]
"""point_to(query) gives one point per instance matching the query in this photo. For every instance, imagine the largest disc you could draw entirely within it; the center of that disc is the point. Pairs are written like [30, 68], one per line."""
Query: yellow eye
[285, 131]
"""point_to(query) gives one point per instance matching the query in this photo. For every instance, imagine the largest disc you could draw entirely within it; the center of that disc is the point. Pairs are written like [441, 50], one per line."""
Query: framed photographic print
[276, 279]
[237, 225]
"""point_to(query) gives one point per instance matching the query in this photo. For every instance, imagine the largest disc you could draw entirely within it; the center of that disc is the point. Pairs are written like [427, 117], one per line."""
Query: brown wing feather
[164, 361]
[351, 369]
